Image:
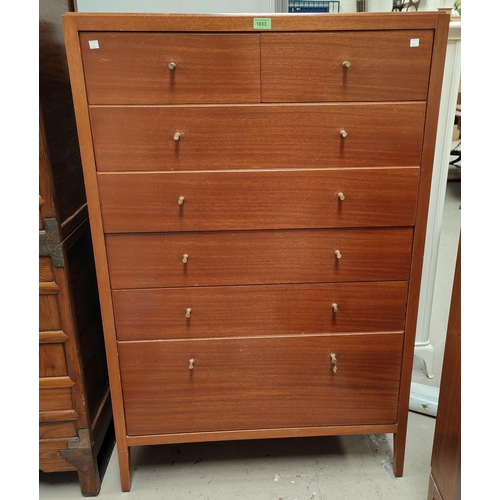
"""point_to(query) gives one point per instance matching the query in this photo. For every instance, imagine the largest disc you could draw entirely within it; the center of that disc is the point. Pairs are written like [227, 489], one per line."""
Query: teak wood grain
[54, 430]
[244, 22]
[55, 399]
[148, 202]
[259, 310]
[384, 66]
[430, 131]
[268, 382]
[132, 68]
[217, 137]
[238, 136]
[258, 257]
[52, 360]
[446, 450]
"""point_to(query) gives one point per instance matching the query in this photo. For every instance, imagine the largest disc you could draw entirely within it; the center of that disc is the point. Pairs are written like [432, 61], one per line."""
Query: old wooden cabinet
[258, 197]
[446, 460]
[75, 417]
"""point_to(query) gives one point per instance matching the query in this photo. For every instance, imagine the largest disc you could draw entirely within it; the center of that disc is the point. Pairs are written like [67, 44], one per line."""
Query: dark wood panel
[260, 383]
[259, 310]
[48, 313]
[259, 257]
[50, 459]
[52, 360]
[383, 66]
[446, 450]
[57, 112]
[53, 430]
[258, 200]
[132, 138]
[45, 274]
[433, 493]
[133, 68]
[88, 322]
[55, 399]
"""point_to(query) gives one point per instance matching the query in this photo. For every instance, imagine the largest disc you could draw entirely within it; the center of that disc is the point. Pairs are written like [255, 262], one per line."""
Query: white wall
[386, 5]
[229, 6]
[177, 6]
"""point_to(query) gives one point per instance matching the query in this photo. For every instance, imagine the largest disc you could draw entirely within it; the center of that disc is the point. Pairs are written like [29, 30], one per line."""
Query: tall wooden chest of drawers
[258, 195]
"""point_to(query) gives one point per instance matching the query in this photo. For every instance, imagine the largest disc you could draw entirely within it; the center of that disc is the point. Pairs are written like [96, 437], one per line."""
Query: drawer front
[149, 202]
[259, 310]
[52, 361]
[133, 68]
[259, 383]
[258, 257]
[260, 136]
[55, 399]
[54, 430]
[49, 455]
[383, 66]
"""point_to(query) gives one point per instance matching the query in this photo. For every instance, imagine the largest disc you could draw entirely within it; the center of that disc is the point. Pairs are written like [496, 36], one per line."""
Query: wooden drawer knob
[338, 254]
[185, 258]
[188, 312]
[191, 364]
[341, 196]
[343, 133]
[335, 308]
[181, 200]
[346, 64]
[177, 136]
[172, 66]
[333, 362]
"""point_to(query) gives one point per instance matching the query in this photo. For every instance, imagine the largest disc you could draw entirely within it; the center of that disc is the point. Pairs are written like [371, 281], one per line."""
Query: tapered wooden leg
[399, 452]
[124, 464]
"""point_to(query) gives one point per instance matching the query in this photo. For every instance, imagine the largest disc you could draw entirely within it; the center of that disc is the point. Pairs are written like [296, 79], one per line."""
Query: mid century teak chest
[258, 198]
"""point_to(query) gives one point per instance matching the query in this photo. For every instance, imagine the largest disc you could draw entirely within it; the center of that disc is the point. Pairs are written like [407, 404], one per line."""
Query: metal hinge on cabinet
[80, 453]
[50, 242]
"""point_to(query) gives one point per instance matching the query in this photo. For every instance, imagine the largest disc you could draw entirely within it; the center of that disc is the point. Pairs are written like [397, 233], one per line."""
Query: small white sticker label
[414, 42]
[93, 44]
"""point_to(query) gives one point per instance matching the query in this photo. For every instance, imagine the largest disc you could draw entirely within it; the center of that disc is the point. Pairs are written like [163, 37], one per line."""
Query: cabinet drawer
[259, 383]
[55, 399]
[259, 310]
[383, 66]
[258, 257]
[54, 430]
[136, 202]
[133, 68]
[128, 138]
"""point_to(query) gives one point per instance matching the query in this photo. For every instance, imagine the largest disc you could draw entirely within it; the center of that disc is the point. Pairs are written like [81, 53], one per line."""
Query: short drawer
[348, 66]
[134, 138]
[262, 199]
[260, 383]
[55, 430]
[55, 399]
[201, 312]
[258, 257]
[163, 68]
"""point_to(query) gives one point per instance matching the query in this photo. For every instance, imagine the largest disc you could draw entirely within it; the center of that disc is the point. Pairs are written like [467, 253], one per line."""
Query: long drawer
[257, 383]
[200, 201]
[163, 68]
[258, 257]
[350, 66]
[212, 137]
[200, 312]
